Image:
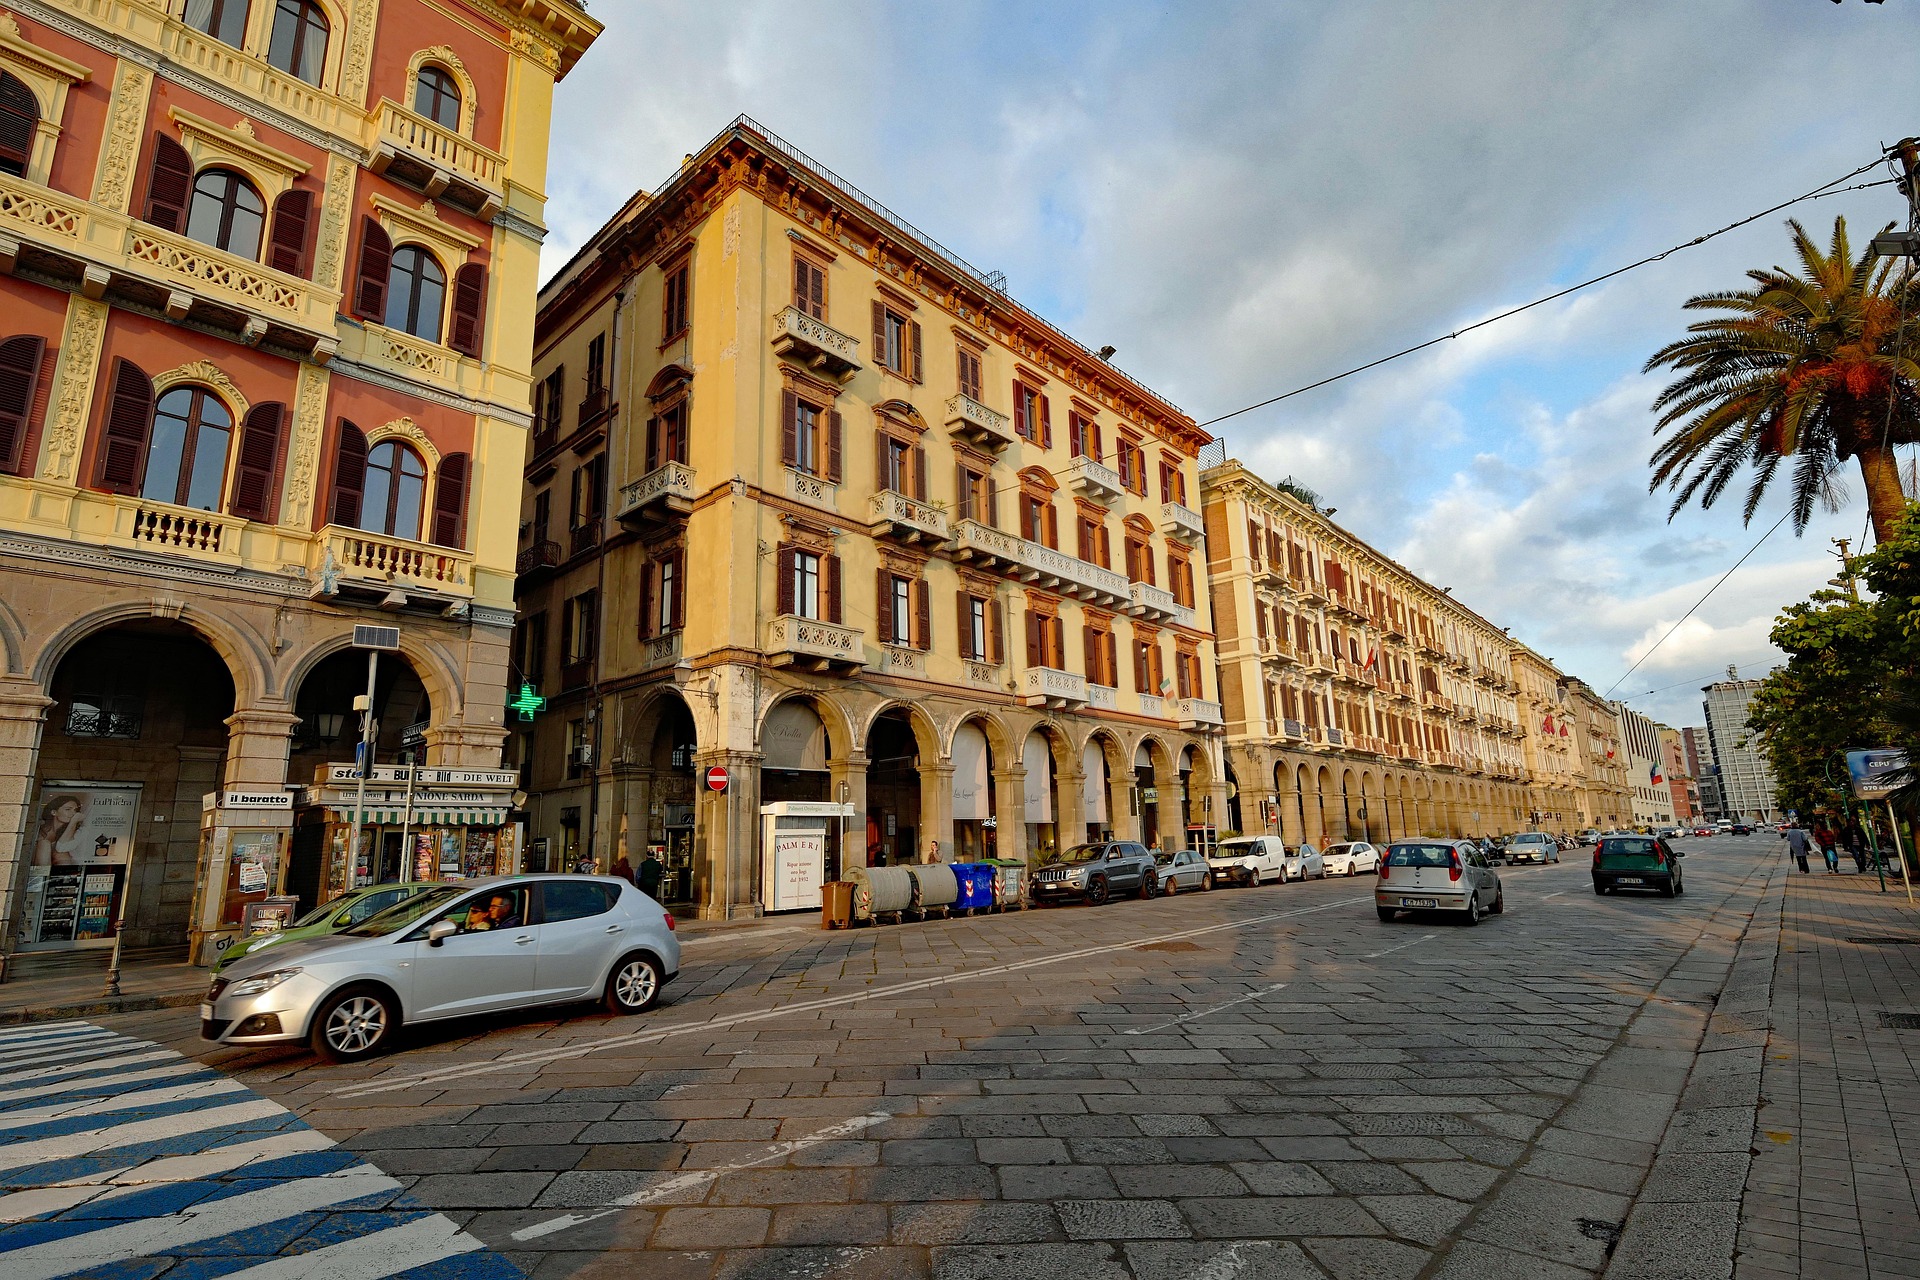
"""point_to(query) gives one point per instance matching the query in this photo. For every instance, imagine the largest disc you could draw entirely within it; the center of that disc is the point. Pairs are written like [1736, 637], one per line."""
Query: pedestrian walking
[649, 873]
[1823, 836]
[1797, 845]
[624, 869]
[1857, 845]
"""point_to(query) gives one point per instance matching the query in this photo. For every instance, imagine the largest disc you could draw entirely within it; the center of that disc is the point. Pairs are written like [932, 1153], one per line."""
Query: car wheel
[1385, 914]
[1500, 903]
[1352, 867]
[1600, 890]
[1666, 890]
[1473, 909]
[1097, 890]
[1679, 887]
[1171, 887]
[1149, 886]
[633, 986]
[1206, 881]
[353, 1024]
[1253, 879]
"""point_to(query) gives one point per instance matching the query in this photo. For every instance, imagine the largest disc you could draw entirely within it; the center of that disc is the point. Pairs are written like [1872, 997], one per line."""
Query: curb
[97, 1008]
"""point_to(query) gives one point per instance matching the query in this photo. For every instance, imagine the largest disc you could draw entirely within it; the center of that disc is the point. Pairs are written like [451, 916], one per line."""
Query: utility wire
[1678, 683]
[1824, 189]
[1696, 604]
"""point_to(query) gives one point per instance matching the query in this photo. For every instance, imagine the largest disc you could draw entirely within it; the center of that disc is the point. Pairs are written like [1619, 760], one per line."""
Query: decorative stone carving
[444, 56]
[330, 248]
[409, 430]
[73, 378]
[357, 62]
[210, 375]
[529, 44]
[303, 452]
[113, 185]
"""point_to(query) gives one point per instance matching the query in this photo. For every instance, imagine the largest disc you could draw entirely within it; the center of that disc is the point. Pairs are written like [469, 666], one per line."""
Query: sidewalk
[1831, 1188]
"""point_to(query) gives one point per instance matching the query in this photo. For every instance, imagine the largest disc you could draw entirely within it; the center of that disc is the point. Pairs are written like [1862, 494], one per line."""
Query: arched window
[224, 20]
[299, 44]
[187, 452]
[437, 97]
[416, 293]
[19, 121]
[396, 488]
[226, 213]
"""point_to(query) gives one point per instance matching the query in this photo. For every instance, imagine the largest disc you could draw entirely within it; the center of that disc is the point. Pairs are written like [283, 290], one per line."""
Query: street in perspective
[846, 641]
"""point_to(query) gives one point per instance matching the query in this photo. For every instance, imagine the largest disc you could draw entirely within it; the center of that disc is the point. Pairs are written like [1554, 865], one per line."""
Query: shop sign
[717, 778]
[347, 774]
[256, 800]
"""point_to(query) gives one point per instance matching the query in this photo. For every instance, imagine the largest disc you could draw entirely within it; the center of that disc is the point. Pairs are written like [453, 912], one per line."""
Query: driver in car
[500, 911]
[477, 919]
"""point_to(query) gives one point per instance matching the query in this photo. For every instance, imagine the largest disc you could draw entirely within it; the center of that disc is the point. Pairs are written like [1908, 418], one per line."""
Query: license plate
[206, 1013]
[1629, 880]
[1420, 902]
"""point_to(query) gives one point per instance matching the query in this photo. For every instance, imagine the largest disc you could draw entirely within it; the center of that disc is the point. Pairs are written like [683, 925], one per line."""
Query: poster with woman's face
[85, 824]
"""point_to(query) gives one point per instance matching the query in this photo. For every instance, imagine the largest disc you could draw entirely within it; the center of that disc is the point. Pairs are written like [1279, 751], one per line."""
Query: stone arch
[209, 375]
[437, 669]
[638, 733]
[999, 737]
[243, 651]
[447, 60]
[672, 376]
[1157, 753]
[833, 716]
[13, 641]
[1200, 766]
[933, 746]
[902, 412]
[1039, 478]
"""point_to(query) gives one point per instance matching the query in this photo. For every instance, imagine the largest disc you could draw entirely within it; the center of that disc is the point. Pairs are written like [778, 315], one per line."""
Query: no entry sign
[717, 778]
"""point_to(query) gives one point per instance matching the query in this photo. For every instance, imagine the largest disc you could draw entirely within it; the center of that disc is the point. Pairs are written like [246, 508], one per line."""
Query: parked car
[1183, 870]
[1637, 862]
[1437, 875]
[1351, 858]
[1249, 860]
[343, 912]
[1095, 872]
[1703, 831]
[1533, 846]
[1304, 862]
[479, 946]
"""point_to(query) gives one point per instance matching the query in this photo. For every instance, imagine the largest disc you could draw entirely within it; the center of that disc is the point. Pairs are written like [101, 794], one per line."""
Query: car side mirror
[440, 931]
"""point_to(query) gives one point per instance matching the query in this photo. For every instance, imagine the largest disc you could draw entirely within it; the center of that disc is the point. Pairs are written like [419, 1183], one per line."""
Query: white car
[1532, 846]
[476, 946]
[1351, 858]
[1304, 862]
[1249, 860]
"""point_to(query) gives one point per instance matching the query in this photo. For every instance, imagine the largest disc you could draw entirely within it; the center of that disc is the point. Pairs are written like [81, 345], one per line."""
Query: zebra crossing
[122, 1159]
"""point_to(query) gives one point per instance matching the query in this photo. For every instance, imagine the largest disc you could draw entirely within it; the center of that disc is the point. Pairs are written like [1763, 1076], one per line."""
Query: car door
[1129, 865]
[482, 966]
[579, 934]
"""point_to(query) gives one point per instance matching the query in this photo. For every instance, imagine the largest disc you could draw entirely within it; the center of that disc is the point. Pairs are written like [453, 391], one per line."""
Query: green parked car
[343, 912]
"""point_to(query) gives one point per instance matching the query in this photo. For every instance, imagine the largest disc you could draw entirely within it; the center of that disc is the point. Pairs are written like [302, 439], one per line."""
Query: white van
[1249, 860]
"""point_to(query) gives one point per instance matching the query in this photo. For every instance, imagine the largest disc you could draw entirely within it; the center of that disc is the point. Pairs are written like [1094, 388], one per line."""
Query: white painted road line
[21, 1154]
[132, 1100]
[384, 1253]
[85, 1063]
[45, 1031]
[1201, 1013]
[1402, 947]
[694, 1179]
[13, 1097]
[539, 1058]
[206, 1221]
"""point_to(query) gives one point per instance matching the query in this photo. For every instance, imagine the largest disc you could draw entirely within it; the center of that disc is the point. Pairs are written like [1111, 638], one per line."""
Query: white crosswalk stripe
[163, 1071]
[133, 1100]
[390, 1252]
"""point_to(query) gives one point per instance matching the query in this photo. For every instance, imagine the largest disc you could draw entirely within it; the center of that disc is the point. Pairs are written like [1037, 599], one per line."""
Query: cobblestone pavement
[1243, 1083]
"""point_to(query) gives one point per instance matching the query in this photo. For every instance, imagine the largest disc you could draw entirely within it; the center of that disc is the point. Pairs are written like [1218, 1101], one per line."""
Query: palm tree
[1800, 366]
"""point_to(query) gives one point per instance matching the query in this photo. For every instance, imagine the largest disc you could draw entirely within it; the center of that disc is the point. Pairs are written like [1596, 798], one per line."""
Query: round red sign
[717, 778]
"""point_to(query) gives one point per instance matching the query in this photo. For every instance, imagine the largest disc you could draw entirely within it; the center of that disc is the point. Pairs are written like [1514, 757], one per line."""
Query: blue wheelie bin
[976, 885]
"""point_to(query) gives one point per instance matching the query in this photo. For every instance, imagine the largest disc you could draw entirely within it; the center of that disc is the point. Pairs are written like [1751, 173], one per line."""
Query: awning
[382, 816]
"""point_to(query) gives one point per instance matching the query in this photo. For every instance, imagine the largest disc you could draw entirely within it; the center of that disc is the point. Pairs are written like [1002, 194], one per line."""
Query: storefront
[1043, 839]
[1093, 764]
[974, 829]
[241, 877]
[418, 824]
[82, 844]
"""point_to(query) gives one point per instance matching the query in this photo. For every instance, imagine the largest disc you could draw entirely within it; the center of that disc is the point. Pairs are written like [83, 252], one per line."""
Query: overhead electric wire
[1647, 693]
[1824, 189]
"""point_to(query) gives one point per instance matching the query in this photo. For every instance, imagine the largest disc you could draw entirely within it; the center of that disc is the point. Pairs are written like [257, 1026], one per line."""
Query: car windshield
[1629, 846]
[1084, 853]
[1420, 855]
[403, 913]
[320, 912]
[1340, 849]
[1235, 849]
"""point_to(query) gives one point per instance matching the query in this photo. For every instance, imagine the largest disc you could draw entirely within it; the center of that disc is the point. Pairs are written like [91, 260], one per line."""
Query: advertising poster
[81, 840]
[253, 872]
[799, 861]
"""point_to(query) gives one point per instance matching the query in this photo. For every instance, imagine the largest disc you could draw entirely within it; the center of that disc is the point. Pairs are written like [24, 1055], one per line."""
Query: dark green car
[343, 912]
[1636, 862]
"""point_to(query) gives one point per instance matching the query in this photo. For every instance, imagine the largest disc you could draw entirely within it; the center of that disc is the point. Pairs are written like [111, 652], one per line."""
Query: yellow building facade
[1600, 779]
[265, 378]
[1552, 753]
[830, 544]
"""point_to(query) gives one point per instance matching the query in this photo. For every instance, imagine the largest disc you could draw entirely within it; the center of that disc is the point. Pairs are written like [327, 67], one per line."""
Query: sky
[1245, 198]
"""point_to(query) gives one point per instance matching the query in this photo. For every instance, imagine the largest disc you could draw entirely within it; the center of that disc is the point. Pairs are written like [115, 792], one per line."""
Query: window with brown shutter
[789, 440]
[674, 308]
[255, 478]
[123, 450]
[1034, 621]
[469, 310]
[292, 220]
[810, 287]
[783, 587]
[1046, 425]
[19, 381]
[830, 572]
[450, 501]
[676, 610]
[376, 264]
[996, 632]
[969, 363]
[963, 614]
[19, 122]
[1022, 427]
[169, 184]
[349, 476]
[647, 575]
[883, 605]
[922, 615]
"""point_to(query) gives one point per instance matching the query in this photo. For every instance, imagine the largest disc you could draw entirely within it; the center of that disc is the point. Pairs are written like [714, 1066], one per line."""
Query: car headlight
[1076, 875]
[261, 983]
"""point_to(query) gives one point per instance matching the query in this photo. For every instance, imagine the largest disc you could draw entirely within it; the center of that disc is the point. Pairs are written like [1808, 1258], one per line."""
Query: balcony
[541, 557]
[907, 519]
[815, 343]
[1434, 701]
[161, 527]
[1051, 687]
[1155, 707]
[663, 494]
[1149, 601]
[1040, 565]
[438, 161]
[350, 558]
[1319, 661]
[660, 651]
[1095, 480]
[1335, 737]
[1102, 697]
[594, 406]
[1200, 715]
[1309, 588]
[1182, 524]
[973, 422]
[1345, 605]
[811, 645]
[1292, 730]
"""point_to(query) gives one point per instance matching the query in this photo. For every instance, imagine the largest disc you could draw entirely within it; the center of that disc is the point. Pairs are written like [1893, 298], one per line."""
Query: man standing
[649, 874]
[1798, 845]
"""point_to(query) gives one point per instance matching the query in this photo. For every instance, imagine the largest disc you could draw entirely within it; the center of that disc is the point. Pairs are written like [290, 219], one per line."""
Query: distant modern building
[1705, 771]
[1645, 768]
[1746, 783]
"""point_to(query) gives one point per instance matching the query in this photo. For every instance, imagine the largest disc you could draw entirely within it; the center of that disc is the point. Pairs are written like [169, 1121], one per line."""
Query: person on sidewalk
[1797, 845]
[1823, 836]
[649, 874]
[1857, 845]
[624, 869]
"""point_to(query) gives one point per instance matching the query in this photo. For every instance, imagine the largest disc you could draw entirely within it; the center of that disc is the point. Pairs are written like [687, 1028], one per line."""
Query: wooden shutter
[993, 500]
[349, 476]
[450, 501]
[880, 459]
[292, 216]
[1106, 549]
[996, 631]
[880, 334]
[836, 429]
[469, 310]
[19, 120]
[1075, 438]
[677, 618]
[259, 463]
[123, 453]
[19, 380]
[1113, 661]
[376, 264]
[789, 418]
[783, 589]
[1084, 542]
[653, 443]
[883, 604]
[1260, 620]
[1021, 427]
[647, 574]
[169, 184]
[913, 339]
[1046, 424]
[922, 616]
[1090, 652]
[963, 610]
[920, 472]
[1052, 514]
[830, 570]
[1033, 639]
[1027, 510]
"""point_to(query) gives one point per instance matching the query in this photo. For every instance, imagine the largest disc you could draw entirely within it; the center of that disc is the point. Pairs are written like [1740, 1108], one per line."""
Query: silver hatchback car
[1437, 875]
[477, 946]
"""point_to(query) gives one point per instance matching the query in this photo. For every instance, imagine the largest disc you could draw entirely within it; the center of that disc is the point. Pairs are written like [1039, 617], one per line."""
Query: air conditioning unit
[582, 755]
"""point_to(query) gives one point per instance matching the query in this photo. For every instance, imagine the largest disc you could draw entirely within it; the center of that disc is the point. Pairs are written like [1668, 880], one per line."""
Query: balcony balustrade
[908, 520]
[1292, 730]
[815, 343]
[543, 555]
[410, 148]
[584, 537]
[664, 493]
[354, 558]
[1336, 737]
[1155, 707]
[978, 425]
[811, 645]
[1200, 714]
[1320, 661]
[163, 527]
[1308, 588]
[1038, 564]
[1181, 523]
[660, 651]
[1095, 480]
[1149, 601]
[1103, 697]
[1051, 687]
